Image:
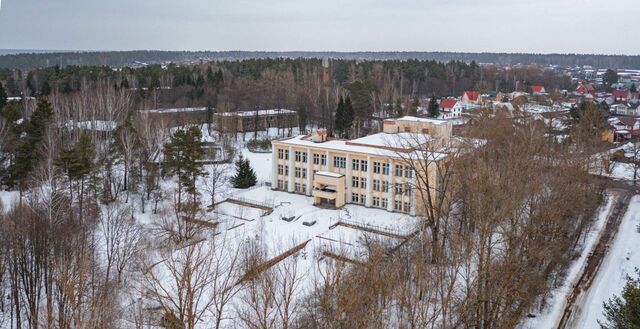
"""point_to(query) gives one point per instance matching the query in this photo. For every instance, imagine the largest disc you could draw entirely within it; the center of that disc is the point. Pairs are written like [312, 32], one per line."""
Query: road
[580, 291]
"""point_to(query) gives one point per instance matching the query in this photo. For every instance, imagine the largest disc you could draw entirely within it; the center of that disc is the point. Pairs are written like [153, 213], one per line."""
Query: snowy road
[622, 258]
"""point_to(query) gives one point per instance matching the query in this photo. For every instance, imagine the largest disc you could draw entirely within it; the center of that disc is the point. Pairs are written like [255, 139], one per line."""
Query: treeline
[377, 88]
[126, 58]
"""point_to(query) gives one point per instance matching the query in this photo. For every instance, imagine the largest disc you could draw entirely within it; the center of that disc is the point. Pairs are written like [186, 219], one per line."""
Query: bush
[259, 145]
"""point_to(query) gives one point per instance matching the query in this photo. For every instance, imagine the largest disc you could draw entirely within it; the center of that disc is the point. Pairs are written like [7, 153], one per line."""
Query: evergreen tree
[413, 110]
[434, 108]
[624, 312]
[610, 77]
[633, 88]
[340, 118]
[31, 132]
[349, 116]
[3, 97]
[182, 157]
[399, 111]
[45, 89]
[245, 176]
[78, 162]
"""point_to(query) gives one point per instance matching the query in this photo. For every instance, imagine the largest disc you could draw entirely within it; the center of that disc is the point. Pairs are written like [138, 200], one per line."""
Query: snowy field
[550, 316]
[623, 258]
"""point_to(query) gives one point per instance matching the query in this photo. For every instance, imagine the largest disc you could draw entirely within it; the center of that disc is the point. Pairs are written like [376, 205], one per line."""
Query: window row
[358, 198]
[405, 171]
[320, 159]
[301, 156]
[283, 154]
[381, 168]
[300, 188]
[358, 182]
[361, 165]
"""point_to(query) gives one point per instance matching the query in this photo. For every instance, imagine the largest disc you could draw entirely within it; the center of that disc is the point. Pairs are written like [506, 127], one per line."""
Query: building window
[286, 154]
[364, 165]
[363, 199]
[355, 198]
[376, 185]
[304, 157]
[407, 207]
[298, 156]
[363, 182]
[339, 162]
[385, 203]
[376, 201]
[385, 169]
[316, 158]
[399, 170]
[385, 186]
[280, 184]
[286, 170]
[324, 159]
[398, 188]
[407, 190]
[280, 154]
[397, 206]
[408, 172]
[298, 172]
[355, 164]
[304, 188]
[280, 169]
[376, 167]
[355, 181]
[297, 187]
[304, 173]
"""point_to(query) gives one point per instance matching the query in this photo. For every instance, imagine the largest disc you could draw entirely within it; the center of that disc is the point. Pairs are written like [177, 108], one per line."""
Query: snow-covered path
[551, 315]
[623, 257]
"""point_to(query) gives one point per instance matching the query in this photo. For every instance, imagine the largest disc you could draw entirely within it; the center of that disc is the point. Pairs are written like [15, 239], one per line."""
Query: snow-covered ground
[7, 198]
[622, 259]
[556, 303]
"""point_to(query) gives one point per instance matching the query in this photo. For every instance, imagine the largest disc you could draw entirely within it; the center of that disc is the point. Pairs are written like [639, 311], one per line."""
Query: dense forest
[375, 87]
[125, 58]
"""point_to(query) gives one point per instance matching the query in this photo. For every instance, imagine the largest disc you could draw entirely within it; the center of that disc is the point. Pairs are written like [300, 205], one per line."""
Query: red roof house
[535, 89]
[621, 94]
[471, 97]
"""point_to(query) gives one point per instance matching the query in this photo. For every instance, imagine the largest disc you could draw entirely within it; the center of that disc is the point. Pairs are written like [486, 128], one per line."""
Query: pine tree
[624, 312]
[182, 157]
[413, 110]
[340, 117]
[245, 177]
[434, 108]
[349, 116]
[3, 97]
[31, 132]
[399, 112]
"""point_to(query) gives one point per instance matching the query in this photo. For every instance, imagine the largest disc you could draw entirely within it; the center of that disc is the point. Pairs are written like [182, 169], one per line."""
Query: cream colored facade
[366, 171]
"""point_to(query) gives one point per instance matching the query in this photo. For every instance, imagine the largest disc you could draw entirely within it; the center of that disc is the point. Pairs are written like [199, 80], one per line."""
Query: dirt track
[581, 288]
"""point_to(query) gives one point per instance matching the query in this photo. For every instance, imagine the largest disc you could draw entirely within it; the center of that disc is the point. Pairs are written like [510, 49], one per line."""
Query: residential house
[538, 90]
[621, 95]
[471, 97]
[450, 108]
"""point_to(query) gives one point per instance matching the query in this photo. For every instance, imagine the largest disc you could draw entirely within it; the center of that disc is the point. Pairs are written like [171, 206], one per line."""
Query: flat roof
[329, 174]
[417, 119]
[399, 140]
[343, 146]
[259, 113]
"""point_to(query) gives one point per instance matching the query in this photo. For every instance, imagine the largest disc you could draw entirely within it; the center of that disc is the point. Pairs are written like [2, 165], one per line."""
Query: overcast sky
[546, 26]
